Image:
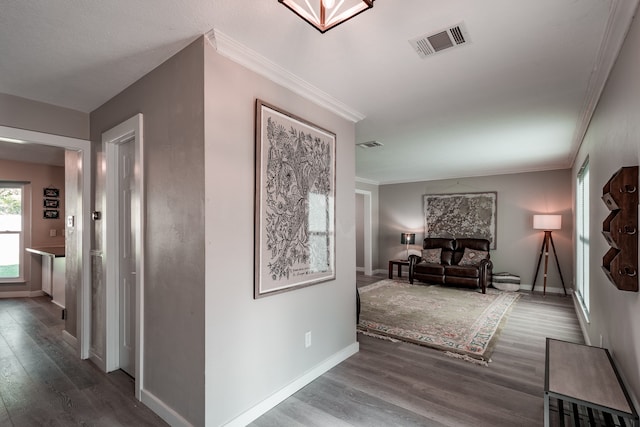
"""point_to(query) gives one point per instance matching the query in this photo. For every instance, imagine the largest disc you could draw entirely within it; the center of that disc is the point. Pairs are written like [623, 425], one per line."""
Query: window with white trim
[11, 232]
[582, 235]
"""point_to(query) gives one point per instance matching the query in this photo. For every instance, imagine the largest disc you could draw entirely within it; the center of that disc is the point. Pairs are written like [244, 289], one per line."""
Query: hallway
[42, 381]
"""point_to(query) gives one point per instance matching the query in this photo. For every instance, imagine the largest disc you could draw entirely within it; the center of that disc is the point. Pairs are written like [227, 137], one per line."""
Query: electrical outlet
[307, 340]
[53, 232]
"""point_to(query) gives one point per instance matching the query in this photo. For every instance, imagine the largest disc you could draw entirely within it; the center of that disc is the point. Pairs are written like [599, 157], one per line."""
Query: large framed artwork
[294, 202]
[461, 215]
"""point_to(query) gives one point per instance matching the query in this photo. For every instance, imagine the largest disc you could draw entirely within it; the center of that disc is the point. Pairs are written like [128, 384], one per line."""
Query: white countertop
[55, 251]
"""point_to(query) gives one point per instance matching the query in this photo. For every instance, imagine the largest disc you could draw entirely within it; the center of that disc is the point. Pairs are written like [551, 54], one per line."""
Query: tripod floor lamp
[548, 223]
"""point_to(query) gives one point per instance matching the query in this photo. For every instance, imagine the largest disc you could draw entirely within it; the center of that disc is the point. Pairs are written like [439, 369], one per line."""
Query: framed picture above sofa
[461, 215]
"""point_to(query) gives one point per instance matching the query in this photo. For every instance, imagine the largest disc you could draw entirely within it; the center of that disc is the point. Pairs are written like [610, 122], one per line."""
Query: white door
[127, 260]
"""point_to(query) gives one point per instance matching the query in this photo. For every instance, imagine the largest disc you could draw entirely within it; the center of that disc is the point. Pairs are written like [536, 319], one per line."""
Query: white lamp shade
[547, 222]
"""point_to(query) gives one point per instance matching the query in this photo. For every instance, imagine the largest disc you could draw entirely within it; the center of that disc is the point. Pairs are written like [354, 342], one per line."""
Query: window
[11, 232]
[582, 235]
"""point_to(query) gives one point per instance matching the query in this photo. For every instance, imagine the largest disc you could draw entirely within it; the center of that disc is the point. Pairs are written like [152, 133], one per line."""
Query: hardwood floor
[42, 381]
[400, 384]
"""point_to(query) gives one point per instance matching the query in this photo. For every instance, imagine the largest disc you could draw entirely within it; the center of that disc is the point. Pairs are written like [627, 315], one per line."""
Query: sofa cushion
[477, 244]
[438, 242]
[472, 257]
[447, 246]
[429, 268]
[462, 271]
[433, 256]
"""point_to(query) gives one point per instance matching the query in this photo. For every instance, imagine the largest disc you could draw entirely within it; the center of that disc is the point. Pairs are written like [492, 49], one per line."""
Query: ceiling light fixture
[326, 14]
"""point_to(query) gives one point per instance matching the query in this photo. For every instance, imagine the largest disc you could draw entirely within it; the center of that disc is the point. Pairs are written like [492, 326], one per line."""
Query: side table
[585, 377]
[399, 263]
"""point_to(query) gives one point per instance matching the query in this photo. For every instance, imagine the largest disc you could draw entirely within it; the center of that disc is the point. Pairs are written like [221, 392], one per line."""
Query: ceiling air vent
[370, 144]
[430, 44]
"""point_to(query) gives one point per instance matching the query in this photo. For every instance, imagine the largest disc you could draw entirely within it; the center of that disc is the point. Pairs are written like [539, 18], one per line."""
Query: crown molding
[367, 181]
[237, 52]
[621, 13]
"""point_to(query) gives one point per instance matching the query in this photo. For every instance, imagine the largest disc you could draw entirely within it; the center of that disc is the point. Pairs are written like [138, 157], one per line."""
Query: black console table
[586, 378]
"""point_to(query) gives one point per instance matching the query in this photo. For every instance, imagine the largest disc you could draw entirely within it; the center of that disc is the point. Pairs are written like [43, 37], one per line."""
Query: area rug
[461, 321]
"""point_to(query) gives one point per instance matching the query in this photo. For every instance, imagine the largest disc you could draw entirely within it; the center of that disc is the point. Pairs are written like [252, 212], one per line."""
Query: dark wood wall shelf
[620, 229]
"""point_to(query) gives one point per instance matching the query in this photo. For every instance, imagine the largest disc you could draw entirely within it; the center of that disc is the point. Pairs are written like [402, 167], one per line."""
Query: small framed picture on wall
[51, 192]
[51, 214]
[51, 203]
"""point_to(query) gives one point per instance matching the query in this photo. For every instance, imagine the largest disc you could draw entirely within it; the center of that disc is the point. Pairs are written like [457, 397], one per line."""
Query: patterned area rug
[457, 320]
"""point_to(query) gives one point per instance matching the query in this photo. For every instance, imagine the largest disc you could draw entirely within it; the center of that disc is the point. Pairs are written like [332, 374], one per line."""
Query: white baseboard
[381, 271]
[21, 294]
[97, 360]
[360, 269]
[261, 408]
[550, 289]
[70, 339]
[164, 411]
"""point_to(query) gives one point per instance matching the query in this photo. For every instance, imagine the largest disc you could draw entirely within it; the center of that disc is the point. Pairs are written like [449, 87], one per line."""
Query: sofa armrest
[413, 260]
[486, 273]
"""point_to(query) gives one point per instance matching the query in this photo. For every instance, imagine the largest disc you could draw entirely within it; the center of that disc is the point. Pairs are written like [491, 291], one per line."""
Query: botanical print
[296, 231]
[465, 215]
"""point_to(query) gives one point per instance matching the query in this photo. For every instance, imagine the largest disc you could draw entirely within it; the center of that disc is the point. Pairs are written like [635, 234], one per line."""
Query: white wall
[613, 141]
[255, 348]
[519, 196]
[359, 231]
[373, 189]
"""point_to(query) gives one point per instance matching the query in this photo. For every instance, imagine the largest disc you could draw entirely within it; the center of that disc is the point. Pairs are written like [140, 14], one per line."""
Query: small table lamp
[408, 239]
[547, 223]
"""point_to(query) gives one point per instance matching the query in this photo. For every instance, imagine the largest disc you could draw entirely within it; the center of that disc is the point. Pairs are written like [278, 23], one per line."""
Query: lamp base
[545, 250]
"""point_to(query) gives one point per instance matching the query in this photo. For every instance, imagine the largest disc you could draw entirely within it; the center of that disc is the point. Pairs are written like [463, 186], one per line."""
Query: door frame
[111, 139]
[82, 223]
[368, 249]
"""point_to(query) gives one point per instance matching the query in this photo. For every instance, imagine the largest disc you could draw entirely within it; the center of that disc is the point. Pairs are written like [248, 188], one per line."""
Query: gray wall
[613, 141]
[171, 100]
[256, 347]
[73, 254]
[40, 117]
[520, 196]
[373, 189]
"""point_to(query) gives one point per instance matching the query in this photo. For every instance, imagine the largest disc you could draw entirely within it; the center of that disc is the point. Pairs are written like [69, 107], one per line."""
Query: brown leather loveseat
[459, 262]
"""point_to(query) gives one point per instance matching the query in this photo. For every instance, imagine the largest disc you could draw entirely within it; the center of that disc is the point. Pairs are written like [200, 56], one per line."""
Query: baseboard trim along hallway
[282, 394]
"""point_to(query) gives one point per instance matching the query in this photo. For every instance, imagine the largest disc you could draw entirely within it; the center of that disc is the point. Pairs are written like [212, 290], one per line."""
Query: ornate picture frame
[294, 202]
[461, 215]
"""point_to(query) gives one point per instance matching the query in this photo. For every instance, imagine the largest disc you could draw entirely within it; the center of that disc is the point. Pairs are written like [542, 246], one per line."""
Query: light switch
[70, 221]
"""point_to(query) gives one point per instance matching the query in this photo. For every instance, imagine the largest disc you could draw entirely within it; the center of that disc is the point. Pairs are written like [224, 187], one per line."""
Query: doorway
[364, 218]
[81, 239]
[124, 234]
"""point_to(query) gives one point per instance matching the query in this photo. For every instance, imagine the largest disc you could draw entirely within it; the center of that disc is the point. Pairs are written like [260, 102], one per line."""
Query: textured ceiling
[515, 98]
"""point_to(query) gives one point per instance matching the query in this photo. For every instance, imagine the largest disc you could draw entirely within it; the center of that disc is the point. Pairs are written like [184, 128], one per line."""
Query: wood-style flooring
[401, 384]
[43, 383]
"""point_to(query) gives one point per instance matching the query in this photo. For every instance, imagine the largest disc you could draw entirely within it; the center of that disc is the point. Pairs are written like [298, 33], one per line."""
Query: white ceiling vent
[370, 144]
[430, 44]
